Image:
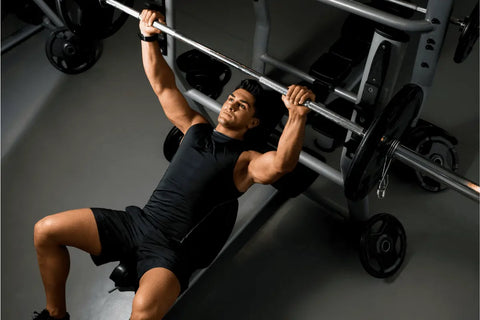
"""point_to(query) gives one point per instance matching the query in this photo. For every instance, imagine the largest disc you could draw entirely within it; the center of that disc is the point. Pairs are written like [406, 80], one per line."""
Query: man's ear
[253, 123]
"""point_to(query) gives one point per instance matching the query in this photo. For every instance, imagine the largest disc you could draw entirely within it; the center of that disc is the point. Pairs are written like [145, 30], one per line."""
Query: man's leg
[158, 290]
[76, 228]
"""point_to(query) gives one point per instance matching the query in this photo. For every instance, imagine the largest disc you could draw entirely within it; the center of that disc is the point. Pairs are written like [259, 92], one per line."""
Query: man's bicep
[178, 111]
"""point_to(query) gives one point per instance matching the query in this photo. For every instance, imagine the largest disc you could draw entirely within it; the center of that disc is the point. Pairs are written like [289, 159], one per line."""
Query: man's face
[238, 111]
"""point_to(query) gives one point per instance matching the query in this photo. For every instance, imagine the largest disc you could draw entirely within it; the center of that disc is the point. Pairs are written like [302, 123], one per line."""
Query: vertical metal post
[397, 53]
[430, 44]
[171, 41]
[261, 35]
[171, 56]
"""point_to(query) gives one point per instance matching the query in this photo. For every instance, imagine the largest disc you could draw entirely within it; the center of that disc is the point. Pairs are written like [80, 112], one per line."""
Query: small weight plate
[90, 19]
[468, 37]
[71, 54]
[366, 168]
[172, 142]
[383, 244]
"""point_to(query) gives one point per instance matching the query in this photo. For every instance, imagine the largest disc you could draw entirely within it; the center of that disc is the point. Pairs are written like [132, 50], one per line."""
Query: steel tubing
[380, 16]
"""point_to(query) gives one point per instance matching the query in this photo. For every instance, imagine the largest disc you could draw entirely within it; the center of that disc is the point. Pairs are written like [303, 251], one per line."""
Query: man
[210, 167]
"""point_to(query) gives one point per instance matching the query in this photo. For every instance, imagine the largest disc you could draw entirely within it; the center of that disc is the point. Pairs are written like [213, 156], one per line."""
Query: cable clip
[383, 184]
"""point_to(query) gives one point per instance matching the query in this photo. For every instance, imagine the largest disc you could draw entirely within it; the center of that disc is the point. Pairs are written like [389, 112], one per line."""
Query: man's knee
[144, 309]
[44, 231]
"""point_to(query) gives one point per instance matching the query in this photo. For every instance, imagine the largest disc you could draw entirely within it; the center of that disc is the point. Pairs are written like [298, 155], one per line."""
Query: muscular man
[210, 167]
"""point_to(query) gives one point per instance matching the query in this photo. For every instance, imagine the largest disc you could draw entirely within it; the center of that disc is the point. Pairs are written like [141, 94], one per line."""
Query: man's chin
[224, 121]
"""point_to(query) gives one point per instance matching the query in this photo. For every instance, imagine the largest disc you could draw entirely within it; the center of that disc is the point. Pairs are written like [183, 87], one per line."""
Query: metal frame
[461, 185]
[432, 29]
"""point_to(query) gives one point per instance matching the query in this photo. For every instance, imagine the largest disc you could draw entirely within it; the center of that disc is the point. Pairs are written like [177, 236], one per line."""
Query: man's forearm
[291, 141]
[156, 68]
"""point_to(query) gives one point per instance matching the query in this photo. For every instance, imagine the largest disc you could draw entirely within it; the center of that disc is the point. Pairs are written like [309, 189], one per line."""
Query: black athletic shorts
[130, 236]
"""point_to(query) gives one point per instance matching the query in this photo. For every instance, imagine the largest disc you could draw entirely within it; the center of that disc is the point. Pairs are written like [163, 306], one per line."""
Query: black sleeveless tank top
[200, 176]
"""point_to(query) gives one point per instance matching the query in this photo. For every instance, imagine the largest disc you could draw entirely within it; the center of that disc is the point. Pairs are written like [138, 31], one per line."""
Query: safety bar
[20, 36]
[380, 16]
[408, 5]
[347, 95]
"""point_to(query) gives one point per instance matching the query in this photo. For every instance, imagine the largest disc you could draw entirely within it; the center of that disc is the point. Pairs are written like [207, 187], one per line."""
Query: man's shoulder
[199, 128]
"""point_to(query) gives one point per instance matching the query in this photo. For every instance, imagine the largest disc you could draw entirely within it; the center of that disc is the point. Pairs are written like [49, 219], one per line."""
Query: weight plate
[440, 151]
[383, 244]
[71, 54]
[172, 142]
[367, 164]
[436, 145]
[468, 37]
[204, 73]
[90, 19]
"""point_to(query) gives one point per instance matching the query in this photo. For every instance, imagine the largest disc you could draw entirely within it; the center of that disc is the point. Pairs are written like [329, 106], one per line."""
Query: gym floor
[95, 139]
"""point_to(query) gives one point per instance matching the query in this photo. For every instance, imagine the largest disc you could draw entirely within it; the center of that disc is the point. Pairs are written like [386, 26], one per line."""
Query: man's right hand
[147, 17]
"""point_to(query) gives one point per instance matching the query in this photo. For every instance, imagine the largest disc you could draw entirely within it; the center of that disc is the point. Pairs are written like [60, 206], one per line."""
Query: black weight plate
[172, 142]
[90, 19]
[434, 144]
[367, 164]
[205, 83]
[468, 37]
[71, 54]
[440, 151]
[383, 244]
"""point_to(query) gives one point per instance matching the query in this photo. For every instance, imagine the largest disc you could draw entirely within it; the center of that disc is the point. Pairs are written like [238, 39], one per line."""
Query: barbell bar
[401, 153]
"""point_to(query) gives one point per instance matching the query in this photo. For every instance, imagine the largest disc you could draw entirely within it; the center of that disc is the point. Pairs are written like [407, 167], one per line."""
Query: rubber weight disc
[70, 53]
[366, 168]
[89, 19]
[383, 244]
[468, 37]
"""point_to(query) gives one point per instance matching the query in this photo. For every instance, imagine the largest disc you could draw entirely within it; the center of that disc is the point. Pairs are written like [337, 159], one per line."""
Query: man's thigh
[76, 228]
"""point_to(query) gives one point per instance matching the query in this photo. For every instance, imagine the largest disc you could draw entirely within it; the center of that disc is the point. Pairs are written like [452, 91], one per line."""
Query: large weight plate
[468, 37]
[71, 54]
[366, 168]
[89, 19]
[383, 244]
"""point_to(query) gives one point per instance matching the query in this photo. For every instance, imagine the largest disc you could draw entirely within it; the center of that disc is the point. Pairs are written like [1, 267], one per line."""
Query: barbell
[379, 143]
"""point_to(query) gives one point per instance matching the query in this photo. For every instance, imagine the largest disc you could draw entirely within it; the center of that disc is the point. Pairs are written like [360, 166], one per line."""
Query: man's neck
[234, 134]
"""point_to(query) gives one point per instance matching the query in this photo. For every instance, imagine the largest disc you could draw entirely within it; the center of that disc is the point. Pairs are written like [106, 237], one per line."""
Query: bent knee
[144, 309]
[44, 231]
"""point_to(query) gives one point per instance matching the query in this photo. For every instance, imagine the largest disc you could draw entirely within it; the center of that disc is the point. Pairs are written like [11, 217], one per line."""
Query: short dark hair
[268, 107]
[255, 89]
[266, 101]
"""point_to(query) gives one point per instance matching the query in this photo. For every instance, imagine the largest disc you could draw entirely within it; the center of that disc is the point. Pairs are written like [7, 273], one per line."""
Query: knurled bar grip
[401, 153]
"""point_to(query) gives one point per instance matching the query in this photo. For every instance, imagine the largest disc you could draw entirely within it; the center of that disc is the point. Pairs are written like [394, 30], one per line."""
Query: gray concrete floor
[95, 139]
